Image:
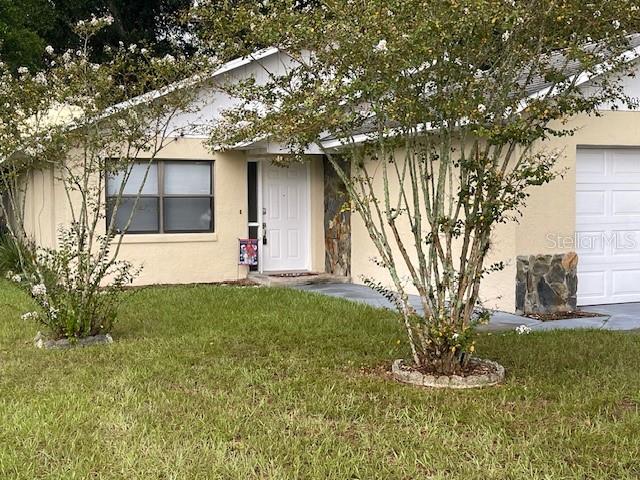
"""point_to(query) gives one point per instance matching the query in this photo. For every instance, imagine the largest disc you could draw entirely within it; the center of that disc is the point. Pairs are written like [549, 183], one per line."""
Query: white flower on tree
[29, 316]
[84, 276]
[381, 46]
[41, 78]
[447, 139]
[39, 290]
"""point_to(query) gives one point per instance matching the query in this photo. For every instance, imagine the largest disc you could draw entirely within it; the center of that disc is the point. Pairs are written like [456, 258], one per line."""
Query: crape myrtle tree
[440, 107]
[85, 123]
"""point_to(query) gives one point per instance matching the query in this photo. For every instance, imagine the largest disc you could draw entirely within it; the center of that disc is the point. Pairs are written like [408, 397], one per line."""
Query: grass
[243, 383]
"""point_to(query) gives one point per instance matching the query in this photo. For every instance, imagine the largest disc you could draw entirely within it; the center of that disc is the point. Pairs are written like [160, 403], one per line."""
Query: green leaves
[76, 123]
[417, 62]
[441, 108]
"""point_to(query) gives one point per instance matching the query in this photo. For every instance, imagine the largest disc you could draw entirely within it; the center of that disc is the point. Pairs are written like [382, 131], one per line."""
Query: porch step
[293, 279]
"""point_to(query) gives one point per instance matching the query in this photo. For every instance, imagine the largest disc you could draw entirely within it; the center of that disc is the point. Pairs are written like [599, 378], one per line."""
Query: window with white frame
[175, 197]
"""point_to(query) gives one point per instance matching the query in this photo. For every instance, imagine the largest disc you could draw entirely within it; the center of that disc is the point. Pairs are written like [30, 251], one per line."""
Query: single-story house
[198, 204]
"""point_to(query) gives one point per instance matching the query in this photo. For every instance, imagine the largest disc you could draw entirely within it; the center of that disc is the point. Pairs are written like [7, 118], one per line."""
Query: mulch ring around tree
[549, 317]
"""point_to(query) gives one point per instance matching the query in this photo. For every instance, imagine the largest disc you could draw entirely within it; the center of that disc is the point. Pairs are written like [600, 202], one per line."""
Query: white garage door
[608, 225]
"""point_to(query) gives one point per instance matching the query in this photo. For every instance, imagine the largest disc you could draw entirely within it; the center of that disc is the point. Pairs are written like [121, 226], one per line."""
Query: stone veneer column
[546, 283]
[337, 224]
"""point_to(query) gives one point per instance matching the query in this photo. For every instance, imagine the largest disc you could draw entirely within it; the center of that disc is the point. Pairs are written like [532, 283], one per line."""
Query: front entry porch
[285, 207]
[279, 215]
[296, 279]
[297, 215]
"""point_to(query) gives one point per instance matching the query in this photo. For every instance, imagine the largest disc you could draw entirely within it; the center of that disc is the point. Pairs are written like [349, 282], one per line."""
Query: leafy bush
[77, 290]
[440, 139]
[12, 254]
[76, 284]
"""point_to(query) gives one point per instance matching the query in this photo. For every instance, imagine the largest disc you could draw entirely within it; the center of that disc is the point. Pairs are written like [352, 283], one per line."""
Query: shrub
[77, 283]
[77, 291]
[12, 254]
[437, 135]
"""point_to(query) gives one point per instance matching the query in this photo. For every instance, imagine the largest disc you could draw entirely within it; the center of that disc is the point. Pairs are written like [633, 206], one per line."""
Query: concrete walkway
[624, 316]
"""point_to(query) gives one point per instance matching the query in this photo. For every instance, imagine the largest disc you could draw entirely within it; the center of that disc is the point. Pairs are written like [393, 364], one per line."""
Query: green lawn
[241, 383]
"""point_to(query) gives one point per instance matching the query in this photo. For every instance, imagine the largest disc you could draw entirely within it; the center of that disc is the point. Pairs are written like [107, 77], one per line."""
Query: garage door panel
[608, 225]
[625, 203]
[591, 203]
[601, 286]
[592, 162]
[592, 285]
[625, 162]
[625, 282]
[591, 243]
[625, 243]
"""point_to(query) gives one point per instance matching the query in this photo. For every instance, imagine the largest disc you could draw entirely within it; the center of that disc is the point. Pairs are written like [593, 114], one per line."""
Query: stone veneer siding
[337, 224]
[546, 283]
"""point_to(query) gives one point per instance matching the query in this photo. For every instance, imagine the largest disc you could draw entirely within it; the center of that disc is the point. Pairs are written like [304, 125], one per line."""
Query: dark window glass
[187, 214]
[145, 219]
[252, 183]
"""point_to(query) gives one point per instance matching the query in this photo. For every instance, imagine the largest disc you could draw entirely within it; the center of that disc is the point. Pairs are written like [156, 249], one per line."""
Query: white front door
[285, 217]
[608, 225]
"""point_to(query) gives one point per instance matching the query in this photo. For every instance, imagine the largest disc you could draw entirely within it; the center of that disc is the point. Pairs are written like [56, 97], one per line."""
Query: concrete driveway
[621, 317]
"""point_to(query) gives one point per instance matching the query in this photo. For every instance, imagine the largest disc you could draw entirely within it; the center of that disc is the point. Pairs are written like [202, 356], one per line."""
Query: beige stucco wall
[189, 257]
[549, 215]
[493, 295]
[40, 207]
[550, 212]
[198, 257]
